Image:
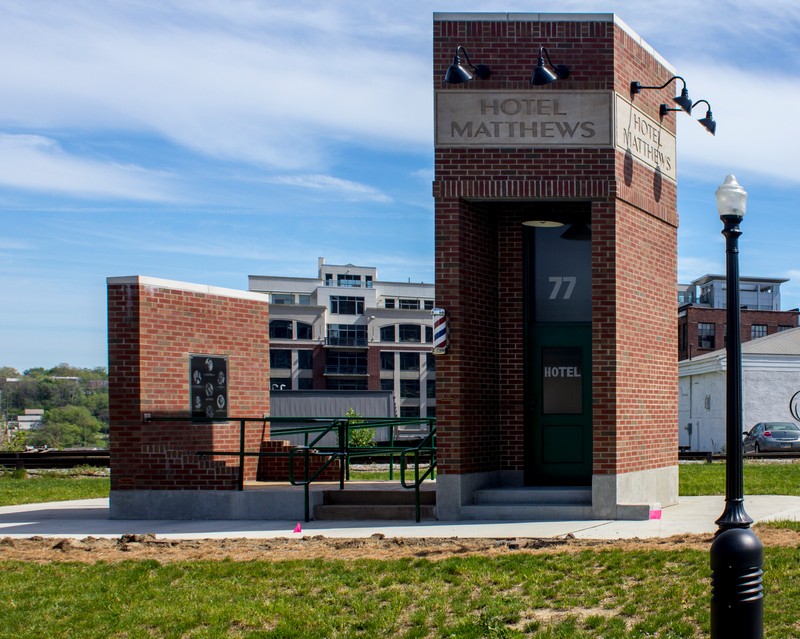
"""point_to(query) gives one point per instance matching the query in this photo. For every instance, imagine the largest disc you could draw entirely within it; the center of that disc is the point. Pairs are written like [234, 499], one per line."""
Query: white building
[770, 381]
[345, 330]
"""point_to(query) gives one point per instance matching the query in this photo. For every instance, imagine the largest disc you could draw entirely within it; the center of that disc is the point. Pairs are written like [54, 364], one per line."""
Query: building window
[304, 331]
[282, 298]
[430, 360]
[387, 333]
[280, 358]
[280, 329]
[409, 411]
[705, 335]
[409, 305]
[347, 335]
[431, 411]
[409, 388]
[388, 302]
[342, 383]
[409, 361]
[429, 334]
[368, 281]
[281, 383]
[387, 361]
[431, 389]
[304, 360]
[303, 299]
[347, 305]
[305, 383]
[783, 327]
[428, 305]
[410, 333]
[758, 330]
[346, 279]
[387, 385]
[346, 363]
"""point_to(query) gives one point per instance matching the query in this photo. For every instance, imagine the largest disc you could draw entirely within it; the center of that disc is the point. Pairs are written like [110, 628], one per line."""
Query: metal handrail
[428, 444]
[343, 451]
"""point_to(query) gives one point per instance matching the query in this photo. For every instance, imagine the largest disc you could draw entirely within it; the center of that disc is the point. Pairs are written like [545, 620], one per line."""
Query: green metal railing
[343, 451]
[314, 429]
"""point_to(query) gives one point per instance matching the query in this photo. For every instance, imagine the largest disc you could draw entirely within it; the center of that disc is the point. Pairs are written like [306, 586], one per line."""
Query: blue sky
[208, 140]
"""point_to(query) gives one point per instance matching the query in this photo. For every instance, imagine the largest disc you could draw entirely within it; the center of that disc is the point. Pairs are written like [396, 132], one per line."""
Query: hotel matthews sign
[552, 119]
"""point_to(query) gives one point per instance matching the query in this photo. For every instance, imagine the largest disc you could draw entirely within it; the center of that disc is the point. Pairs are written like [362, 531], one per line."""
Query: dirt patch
[140, 547]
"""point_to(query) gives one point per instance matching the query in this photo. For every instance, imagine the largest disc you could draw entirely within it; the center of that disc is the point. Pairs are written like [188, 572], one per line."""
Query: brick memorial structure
[159, 332]
[556, 254]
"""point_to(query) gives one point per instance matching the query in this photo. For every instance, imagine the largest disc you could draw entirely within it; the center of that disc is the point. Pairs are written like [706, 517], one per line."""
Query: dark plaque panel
[209, 384]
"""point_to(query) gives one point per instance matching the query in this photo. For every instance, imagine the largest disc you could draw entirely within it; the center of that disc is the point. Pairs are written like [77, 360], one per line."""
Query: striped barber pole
[439, 331]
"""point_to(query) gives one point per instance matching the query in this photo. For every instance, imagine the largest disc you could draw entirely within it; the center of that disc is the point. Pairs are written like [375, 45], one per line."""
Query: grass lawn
[760, 478]
[604, 592]
[590, 594]
[51, 486]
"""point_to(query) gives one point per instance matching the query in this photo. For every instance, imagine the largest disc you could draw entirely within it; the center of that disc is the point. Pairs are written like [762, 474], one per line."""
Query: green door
[558, 351]
[560, 405]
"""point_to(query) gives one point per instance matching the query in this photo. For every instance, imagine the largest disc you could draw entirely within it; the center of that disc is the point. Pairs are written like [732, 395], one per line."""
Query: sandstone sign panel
[645, 139]
[553, 119]
[523, 118]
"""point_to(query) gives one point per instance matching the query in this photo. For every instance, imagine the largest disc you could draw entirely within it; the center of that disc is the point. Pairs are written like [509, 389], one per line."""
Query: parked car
[774, 436]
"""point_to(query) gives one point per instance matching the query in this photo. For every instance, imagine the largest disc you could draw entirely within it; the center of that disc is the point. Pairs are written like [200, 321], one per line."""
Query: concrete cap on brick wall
[189, 287]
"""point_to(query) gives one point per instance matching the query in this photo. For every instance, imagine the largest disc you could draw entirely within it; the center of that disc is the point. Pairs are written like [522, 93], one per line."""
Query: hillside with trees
[74, 401]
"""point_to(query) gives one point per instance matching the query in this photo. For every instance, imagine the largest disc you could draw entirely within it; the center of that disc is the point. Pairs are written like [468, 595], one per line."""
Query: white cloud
[39, 163]
[275, 92]
[692, 267]
[348, 190]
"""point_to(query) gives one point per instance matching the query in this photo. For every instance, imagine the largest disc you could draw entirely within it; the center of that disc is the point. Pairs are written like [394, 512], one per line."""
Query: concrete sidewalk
[89, 518]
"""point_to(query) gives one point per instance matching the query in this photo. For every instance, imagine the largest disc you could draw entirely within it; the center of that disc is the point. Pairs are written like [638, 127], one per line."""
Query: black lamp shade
[457, 74]
[542, 75]
[709, 123]
[683, 101]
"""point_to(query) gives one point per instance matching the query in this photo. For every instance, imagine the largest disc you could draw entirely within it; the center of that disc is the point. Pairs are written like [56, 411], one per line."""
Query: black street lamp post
[737, 602]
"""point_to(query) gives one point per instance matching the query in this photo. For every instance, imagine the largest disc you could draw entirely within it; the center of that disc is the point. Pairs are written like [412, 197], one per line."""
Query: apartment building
[346, 330]
[702, 305]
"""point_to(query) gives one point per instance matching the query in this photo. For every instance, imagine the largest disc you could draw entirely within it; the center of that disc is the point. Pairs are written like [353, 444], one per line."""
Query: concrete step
[526, 512]
[377, 497]
[559, 495]
[558, 503]
[371, 512]
[375, 502]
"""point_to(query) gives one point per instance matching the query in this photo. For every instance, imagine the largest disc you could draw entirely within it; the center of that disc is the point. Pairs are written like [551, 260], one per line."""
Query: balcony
[346, 370]
[347, 342]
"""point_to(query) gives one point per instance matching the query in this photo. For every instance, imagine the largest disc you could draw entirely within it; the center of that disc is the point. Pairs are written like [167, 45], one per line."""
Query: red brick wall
[153, 328]
[695, 315]
[277, 468]
[479, 255]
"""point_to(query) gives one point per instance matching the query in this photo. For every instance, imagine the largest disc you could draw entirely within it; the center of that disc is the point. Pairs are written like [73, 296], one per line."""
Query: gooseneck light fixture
[682, 100]
[458, 73]
[708, 122]
[542, 75]
[737, 556]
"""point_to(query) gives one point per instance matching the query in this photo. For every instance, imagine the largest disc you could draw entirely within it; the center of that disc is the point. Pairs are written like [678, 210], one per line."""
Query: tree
[359, 437]
[67, 427]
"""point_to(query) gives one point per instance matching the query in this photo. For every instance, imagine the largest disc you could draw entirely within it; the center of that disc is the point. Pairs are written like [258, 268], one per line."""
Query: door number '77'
[567, 283]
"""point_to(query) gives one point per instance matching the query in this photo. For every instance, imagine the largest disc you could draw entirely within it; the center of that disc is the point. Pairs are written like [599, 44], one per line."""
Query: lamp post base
[734, 515]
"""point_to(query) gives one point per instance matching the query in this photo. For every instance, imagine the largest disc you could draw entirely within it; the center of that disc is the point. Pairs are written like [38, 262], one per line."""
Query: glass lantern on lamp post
[737, 602]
